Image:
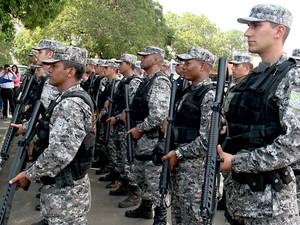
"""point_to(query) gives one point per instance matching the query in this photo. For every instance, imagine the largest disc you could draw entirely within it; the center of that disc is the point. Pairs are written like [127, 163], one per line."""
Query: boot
[120, 191]
[143, 211]
[133, 199]
[160, 216]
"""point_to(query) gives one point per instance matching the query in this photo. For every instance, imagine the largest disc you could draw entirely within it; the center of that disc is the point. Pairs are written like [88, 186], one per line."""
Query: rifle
[25, 95]
[109, 113]
[164, 176]
[18, 164]
[212, 166]
[128, 127]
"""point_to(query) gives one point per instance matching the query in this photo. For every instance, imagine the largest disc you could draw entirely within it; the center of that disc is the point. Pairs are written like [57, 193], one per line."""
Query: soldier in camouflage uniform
[241, 66]
[262, 114]
[88, 84]
[191, 123]
[68, 204]
[111, 73]
[126, 67]
[148, 109]
[46, 50]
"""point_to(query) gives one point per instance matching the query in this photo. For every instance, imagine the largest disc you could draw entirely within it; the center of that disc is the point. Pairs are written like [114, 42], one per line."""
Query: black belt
[46, 180]
[143, 157]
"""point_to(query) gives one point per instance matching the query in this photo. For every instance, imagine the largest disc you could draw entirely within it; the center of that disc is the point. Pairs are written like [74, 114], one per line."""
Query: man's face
[261, 37]
[57, 74]
[109, 71]
[89, 68]
[147, 61]
[192, 69]
[124, 67]
[99, 69]
[238, 70]
[39, 71]
[44, 54]
[179, 69]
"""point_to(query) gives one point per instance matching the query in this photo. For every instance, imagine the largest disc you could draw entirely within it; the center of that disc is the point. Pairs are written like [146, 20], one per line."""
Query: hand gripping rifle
[212, 166]
[109, 113]
[165, 174]
[25, 95]
[128, 126]
[18, 164]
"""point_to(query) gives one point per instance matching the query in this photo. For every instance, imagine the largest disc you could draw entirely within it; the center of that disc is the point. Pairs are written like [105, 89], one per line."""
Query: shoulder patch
[295, 100]
[58, 124]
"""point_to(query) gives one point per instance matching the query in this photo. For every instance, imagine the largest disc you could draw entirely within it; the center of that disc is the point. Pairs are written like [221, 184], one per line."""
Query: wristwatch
[178, 154]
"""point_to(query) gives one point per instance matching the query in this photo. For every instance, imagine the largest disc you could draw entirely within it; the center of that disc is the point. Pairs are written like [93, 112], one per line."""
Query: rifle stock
[109, 113]
[17, 117]
[128, 126]
[164, 176]
[17, 165]
[212, 166]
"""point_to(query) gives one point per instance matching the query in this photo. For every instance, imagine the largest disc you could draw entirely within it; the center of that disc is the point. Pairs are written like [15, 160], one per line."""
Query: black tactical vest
[139, 106]
[119, 98]
[82, 160]
[188, 117]
[251, 109]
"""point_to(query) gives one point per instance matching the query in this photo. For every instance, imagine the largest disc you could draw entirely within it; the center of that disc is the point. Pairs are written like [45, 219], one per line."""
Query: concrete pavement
[104, 209]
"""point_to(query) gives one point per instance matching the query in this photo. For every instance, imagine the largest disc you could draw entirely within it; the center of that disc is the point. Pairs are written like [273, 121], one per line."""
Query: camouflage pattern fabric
[189, 173]
[49, 93]
[145, 172]
[282, 152]
[70, 121]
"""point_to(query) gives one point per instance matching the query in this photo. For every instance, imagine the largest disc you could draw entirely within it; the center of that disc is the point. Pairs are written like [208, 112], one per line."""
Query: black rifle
[109, 113]
[165, 174]
[128, 127]
[212, 166]
[18, 164]
[24, 97]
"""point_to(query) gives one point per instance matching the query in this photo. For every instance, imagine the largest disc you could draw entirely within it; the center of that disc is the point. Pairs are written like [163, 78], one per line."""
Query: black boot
[143, 211]
[133, 199]
[160, 216]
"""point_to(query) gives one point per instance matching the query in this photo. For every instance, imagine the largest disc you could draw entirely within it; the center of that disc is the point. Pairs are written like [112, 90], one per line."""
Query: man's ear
[50, 54]
[280, 31]
[72, 72]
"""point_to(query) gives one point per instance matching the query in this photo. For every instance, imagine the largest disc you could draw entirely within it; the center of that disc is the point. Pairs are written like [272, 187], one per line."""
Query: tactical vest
[139, 105]
[119, 98]
[188, 116]
[82, 160]
[252, 114]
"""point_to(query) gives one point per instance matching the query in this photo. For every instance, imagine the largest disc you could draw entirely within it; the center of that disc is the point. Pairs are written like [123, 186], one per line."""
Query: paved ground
[104, 209]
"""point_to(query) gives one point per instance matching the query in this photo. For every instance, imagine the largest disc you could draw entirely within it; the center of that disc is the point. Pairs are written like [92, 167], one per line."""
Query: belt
[143, 157]
[46, 180]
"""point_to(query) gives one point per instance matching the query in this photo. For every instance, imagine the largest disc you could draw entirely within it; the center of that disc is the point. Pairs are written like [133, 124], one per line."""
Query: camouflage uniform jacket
[281, 153]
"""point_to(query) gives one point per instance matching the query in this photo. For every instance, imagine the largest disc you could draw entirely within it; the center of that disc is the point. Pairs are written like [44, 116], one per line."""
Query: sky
[225, 13]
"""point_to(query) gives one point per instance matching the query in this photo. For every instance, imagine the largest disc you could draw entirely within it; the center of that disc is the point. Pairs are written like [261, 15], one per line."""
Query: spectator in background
[7, 93]
[15, 69]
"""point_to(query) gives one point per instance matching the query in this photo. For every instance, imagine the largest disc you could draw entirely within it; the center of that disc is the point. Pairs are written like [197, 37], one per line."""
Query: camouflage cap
[91, 61]
[69, 53]
[151, 50]
[33, 52]
[239, 59]
[179, 62]
[269, 12]
[166, 63]
[111, 63]
[199, 54]
[127, 58]
[296, 53]
[48, 44]
[101, 62]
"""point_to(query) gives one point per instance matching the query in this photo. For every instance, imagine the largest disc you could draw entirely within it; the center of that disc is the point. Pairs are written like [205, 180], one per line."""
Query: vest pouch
[184, 134]
[153, 133]
[43, 134]
[254, 180]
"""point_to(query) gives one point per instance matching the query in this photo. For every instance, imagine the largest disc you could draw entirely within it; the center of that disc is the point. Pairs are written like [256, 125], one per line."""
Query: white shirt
[8, 76]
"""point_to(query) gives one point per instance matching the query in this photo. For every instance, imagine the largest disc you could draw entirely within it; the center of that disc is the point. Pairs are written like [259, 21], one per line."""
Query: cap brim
[246, 20]
[38, 48]
[235, 62]
[50, 61]
[144, 53]
[119, 61]
[184, 57]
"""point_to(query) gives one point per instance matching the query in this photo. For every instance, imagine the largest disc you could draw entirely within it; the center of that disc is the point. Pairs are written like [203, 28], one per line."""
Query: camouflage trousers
[276, 220]
[298, 190]
[121, 164]
[69, 205]
[147, 176]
